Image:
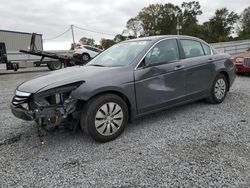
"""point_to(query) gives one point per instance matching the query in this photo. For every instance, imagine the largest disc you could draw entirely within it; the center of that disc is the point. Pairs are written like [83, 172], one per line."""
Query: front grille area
[247, 62]
[20, 98]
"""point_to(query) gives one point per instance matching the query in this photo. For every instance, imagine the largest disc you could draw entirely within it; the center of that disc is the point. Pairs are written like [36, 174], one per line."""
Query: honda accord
[126, 81]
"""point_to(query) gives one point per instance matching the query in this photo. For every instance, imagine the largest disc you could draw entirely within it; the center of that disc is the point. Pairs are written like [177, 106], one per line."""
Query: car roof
[159, 37]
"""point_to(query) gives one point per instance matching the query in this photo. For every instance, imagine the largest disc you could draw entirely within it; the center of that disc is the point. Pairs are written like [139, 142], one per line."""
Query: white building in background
[15, 41]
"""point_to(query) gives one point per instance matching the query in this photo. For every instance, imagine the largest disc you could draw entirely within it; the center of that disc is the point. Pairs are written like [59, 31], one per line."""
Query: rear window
[92, 49]
[192, 48]
[207, 49]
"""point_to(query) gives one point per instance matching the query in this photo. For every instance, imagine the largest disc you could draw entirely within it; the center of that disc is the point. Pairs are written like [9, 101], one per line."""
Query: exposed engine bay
[49, 107]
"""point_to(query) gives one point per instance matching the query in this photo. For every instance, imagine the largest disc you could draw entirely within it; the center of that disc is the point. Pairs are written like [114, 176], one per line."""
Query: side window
[95, 50]
[164, 52]
[192, 48]
[207, 49]
[87, 47]
[91, 48]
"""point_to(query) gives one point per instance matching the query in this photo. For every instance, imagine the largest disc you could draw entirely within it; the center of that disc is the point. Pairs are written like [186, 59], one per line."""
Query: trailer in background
[23, 49]
[4, 59]
[14, 41]
[11, 43]
[55, 61]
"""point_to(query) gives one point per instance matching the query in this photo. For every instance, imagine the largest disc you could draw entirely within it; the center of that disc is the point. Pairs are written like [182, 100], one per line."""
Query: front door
[160, 78]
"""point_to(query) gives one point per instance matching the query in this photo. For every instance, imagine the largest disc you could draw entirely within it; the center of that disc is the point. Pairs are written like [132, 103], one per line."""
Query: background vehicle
[242, 62]
[55, 61]
[4, 59]
[86, 52]
[128, 80]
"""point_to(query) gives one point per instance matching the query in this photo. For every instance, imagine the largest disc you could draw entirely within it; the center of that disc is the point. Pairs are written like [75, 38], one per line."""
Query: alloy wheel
[220, 88]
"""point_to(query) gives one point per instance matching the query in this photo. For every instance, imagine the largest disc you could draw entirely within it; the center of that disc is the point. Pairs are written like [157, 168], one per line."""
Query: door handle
[179, 67]
[211, 59]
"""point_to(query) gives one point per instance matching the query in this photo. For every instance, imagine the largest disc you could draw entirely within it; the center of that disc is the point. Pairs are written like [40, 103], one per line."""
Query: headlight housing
[22, 94]
[239, 60]
[56, 96]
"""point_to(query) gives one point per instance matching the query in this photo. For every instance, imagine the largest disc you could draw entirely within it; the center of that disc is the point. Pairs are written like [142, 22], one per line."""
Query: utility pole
[73, 35]
[178, 26]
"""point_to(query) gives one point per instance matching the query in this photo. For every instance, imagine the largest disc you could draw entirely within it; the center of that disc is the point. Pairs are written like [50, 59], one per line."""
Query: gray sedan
[129, 80]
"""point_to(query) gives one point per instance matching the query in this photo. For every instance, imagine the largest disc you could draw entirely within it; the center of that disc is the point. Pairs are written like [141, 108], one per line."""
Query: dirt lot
[196, 145]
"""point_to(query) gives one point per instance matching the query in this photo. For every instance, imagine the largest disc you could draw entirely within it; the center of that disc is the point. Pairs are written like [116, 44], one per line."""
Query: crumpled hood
[63, 77]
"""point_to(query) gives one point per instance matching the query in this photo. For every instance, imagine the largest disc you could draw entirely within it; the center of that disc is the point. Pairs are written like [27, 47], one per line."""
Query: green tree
[106, 43]
[149, 17]
[134, 27]
[245, 24]
[220, 27]
[190, 11]
[159, 19]
[87, 41]
[119, 38]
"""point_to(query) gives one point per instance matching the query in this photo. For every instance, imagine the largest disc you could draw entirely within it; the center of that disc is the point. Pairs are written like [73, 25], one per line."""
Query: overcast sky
[52, 17]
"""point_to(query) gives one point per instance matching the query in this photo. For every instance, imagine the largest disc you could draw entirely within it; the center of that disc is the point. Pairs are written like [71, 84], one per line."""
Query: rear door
[198, 63]
[160, 78]
[92, 51]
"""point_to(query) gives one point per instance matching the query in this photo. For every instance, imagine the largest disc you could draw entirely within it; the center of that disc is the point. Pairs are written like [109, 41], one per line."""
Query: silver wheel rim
[108, 119]
[220, 88]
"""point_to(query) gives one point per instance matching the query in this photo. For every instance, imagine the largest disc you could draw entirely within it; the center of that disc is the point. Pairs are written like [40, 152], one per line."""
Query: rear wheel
[85, 57]
[219, 89]
[104, 117]
[15, 66]
[54, 65]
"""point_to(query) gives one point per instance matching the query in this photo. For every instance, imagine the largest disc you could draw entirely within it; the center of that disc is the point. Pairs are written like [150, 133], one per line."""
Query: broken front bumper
[22, 113]
[50, 106]
[40, 109]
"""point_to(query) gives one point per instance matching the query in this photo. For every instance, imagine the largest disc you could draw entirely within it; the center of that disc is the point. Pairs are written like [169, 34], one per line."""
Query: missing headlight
[54, 105]
[57, 98]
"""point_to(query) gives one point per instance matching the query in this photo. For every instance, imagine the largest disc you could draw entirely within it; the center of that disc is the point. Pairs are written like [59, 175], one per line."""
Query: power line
[80, 28]
[90, 30]
[58, 35]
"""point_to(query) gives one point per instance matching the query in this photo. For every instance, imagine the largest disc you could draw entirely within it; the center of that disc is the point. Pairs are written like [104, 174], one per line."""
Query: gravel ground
[196, 145]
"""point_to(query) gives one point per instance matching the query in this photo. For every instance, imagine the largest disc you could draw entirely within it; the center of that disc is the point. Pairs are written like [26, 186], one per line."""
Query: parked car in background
[126, 81]
[242, 62]
[86, 52]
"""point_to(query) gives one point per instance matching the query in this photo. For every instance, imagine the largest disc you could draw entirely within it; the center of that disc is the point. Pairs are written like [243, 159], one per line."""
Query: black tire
[214, 99]
[89, 119]
[54, 65]
[85, 57]
[15, 67]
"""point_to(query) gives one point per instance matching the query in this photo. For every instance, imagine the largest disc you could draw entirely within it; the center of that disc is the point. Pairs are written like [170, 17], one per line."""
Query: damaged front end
[48, 107]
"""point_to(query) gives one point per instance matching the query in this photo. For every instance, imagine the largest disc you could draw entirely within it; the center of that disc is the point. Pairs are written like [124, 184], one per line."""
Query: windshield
[120, 54]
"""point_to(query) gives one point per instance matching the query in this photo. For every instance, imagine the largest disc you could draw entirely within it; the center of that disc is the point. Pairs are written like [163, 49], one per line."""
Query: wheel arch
[118, 93]
[223, 72]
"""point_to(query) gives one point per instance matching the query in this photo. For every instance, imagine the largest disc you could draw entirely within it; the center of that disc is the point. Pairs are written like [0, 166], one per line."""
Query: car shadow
[64, 135]
[243, 74]
[132, 127]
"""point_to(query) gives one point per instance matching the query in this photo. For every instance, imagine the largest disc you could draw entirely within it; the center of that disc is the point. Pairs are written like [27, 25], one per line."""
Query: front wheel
[219, 89]
[104, 117]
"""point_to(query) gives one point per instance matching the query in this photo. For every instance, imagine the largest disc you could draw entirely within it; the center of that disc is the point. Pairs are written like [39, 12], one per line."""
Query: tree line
[167, 19]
